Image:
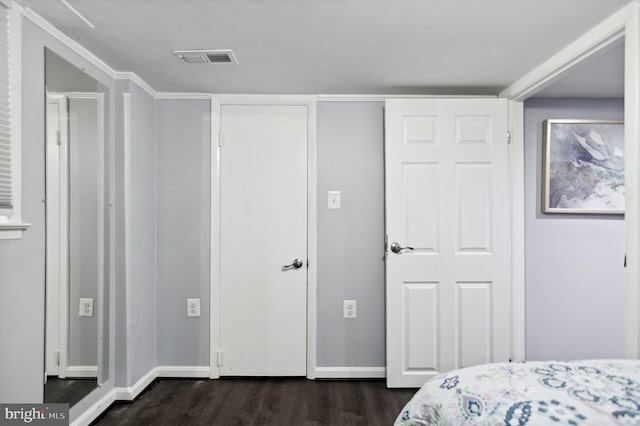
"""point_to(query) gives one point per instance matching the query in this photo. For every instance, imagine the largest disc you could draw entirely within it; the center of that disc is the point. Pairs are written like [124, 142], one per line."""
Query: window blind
[6, 189]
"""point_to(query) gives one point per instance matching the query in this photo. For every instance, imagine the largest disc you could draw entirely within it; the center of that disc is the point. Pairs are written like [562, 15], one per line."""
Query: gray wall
[84, 164]
[350, 159]
[22, 261]
[574, 263]
[142, 288]
[64, 77]
[183, 223]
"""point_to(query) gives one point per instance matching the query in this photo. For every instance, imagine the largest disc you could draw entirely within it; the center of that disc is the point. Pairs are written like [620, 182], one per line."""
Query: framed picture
[583, 167]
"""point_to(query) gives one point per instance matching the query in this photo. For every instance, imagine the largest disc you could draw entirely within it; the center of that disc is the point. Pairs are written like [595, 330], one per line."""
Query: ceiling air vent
[207, 56]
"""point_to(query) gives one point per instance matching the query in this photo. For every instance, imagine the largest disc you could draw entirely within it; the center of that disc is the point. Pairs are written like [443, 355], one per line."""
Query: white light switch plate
[193, 307]
[86, 307]
[334, 199]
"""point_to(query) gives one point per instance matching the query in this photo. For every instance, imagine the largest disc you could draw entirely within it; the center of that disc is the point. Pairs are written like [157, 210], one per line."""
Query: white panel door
[263, 319]
[447, 203]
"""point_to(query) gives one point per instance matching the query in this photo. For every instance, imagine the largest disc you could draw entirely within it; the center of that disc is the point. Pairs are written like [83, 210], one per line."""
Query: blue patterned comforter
[597, 392]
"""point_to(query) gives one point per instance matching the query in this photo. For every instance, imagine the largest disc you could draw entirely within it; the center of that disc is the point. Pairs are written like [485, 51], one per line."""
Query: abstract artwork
[583, 167]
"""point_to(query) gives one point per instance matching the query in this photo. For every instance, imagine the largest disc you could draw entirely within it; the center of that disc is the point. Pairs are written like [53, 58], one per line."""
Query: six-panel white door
[447, 198]
[263, 318]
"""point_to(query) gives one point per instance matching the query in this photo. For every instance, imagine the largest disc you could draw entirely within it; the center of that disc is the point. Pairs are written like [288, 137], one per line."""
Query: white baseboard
[96, 409]
[188, 372]
[81, 371]
[351, 372]
[196, 372]
[131, 393]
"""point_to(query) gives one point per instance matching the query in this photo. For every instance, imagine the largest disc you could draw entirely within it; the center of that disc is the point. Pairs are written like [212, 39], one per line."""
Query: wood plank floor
[68, 391]
[261, 401]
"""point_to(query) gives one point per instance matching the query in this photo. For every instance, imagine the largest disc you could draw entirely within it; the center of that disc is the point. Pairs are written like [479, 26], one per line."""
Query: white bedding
[597, 392]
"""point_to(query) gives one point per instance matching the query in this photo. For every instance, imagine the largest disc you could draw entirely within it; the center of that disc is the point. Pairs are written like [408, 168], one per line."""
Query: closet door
[263, 318]
[447, 220]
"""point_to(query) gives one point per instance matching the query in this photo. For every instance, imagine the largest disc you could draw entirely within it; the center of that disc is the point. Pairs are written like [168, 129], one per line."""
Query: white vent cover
[206, 56]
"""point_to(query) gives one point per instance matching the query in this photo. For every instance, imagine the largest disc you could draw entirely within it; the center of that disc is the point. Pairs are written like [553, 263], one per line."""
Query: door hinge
[625, 260]
[58, 138]
[219, 358]
[508, 136]
[220, 138]
[57, 358]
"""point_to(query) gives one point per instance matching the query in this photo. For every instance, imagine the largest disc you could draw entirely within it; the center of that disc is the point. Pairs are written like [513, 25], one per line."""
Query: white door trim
[622, 25]
[56, 219]
[128, 230]
[516, 182]
[216, 102]
[609, 31]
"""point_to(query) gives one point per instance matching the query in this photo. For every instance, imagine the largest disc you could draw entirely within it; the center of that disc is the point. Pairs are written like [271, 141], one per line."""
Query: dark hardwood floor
[261, 401]
[68, 391]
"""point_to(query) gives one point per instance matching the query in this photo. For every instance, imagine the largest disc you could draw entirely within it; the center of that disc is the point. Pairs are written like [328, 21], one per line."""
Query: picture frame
[583, 166]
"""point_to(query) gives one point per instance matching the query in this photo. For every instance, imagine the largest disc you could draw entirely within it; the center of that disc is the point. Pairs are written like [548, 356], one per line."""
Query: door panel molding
[448, 295]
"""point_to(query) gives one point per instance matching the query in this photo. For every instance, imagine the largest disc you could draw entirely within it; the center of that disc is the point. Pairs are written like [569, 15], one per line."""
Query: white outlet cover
[350, 309]
[193, 307]
[86, 307]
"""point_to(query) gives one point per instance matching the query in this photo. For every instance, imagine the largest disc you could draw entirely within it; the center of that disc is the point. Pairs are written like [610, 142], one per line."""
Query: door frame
[622, 25]
[217, 101]
[58, 284]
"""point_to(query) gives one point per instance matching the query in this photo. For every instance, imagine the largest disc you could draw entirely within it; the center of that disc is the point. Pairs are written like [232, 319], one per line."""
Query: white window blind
[6, 181]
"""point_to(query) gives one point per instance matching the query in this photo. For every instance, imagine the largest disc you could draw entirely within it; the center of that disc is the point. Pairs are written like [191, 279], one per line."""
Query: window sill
[12, 231]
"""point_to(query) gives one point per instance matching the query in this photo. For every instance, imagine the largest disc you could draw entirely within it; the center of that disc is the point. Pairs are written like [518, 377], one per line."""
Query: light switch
[86, 307]
[334, 199]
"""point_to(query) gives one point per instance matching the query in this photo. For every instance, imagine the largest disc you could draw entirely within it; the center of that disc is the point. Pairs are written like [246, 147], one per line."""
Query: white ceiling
[330, 46]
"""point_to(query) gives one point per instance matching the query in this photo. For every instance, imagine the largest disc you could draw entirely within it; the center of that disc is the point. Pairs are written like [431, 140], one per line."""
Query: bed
[594, 392]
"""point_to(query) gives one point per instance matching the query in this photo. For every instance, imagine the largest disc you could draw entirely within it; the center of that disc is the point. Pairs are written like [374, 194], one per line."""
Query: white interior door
[263, 228]
[447, 198]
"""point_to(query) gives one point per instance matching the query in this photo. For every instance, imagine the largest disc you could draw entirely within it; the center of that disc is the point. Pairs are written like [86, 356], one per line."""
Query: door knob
[397, 248]
[297, 264]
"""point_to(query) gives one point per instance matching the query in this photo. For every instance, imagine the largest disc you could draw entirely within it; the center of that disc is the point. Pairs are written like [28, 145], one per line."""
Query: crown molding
[183, 96]
[131, 76]
[83, 52]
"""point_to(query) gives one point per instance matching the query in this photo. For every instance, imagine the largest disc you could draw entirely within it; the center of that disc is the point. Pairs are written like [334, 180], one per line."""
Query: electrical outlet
[193, 307]
[350, 309]
[86, 307]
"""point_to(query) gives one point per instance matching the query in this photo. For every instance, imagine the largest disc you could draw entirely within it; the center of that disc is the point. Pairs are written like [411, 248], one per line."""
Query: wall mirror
[77, 235]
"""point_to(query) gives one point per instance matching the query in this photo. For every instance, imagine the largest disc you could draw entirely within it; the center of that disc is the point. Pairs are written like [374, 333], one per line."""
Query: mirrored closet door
[77, 233]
